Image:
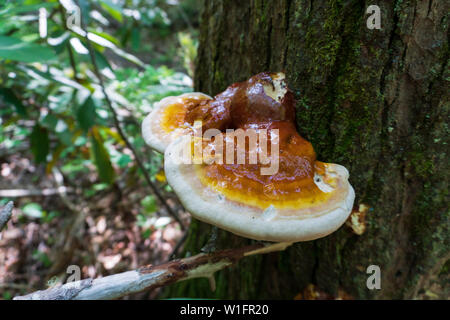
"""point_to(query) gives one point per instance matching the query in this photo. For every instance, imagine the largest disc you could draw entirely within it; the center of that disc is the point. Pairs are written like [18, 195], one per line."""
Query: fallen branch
[5, 214]
[150, 277]
[17, 193]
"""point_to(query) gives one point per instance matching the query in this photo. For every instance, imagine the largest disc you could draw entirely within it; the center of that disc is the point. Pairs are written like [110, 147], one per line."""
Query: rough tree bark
[375, 101]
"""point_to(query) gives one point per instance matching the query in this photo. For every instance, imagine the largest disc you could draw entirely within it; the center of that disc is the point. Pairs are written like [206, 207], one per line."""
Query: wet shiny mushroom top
[262, 98]
[262, 102]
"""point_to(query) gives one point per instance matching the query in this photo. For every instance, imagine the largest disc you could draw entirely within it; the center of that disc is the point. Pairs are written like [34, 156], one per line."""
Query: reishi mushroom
[303, 199]
[167, 120]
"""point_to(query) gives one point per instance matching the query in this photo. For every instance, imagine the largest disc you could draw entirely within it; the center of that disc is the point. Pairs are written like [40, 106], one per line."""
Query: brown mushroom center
[247, 105]
[292, 186]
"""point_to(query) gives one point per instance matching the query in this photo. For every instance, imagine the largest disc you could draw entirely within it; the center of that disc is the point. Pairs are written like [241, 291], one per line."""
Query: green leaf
[15, 9]
[149, 204]
[135, 38]
[18, 50]
[86, 114]
[43, 76]
[65, 137]
[50, 121]
[127, 56]
[7, 295]
[40, 144]
[42, 257]
[112, 9]
[105, 35]
[10, 97]
[101, 60]
[33, 210]
[95, 189]
[48, 217]
[147, 233]
[124, 160]
[73, 167]
[101, 158]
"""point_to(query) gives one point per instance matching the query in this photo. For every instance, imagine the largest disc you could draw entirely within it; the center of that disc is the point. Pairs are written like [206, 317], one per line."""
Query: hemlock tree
[373, 100]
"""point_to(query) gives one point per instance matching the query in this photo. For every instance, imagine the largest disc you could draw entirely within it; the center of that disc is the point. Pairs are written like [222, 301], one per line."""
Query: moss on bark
[375, 101]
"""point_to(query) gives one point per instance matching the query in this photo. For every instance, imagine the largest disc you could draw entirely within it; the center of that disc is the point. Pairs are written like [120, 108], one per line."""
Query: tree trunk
[375, 101]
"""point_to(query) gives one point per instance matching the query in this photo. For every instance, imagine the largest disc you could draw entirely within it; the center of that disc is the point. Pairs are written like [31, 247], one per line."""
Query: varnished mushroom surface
[302, 199]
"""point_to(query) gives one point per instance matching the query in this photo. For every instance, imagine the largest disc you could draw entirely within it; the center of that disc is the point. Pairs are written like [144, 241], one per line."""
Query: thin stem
[151, 277]
[69, 48]
[155, 190]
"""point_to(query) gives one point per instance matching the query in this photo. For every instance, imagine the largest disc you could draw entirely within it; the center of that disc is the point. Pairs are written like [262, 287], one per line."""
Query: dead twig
[17, 193]
[116, 286]
[68, 45]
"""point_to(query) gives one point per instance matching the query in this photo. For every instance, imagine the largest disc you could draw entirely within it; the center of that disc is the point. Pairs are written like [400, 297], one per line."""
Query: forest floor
[99, 233]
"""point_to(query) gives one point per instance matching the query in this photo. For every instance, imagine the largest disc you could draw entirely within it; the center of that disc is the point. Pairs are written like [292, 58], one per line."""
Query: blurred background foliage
[52, 108]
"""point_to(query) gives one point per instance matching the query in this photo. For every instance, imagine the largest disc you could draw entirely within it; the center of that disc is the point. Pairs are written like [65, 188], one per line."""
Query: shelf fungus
[238, 162]
[167, 120]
